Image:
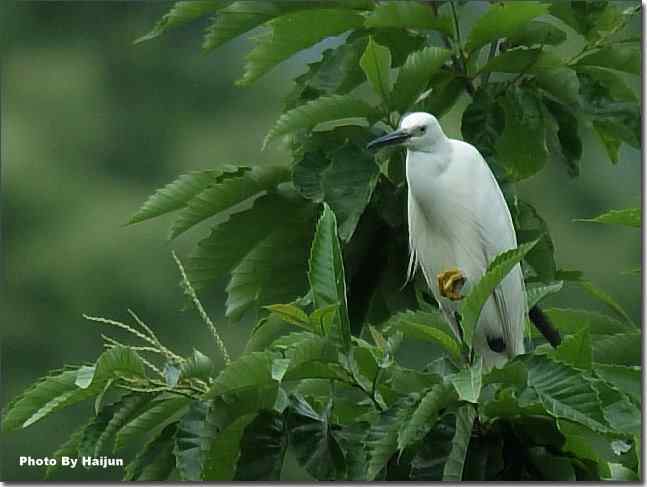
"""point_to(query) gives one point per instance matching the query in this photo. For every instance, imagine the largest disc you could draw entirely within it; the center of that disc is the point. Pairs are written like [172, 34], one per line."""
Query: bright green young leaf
[503, 20]
[499, 268]
[618, 57]
[227, 193]
[535, 33]
[323, 109]
[408, 15]
[262, 448]
[468, 382]
[575, 350]
[415, 74]
[521, 149]
[221, 459]
[453, 470]
[629, 217]
[182, 13]
[619, 349]
[192, 442]
[326, 272]
[625, 379]
[288, 36]
[292, 314]
[602, 296]
[376, 64]
[535, 294]
[522, 60]
[155, 461]
[424, 415]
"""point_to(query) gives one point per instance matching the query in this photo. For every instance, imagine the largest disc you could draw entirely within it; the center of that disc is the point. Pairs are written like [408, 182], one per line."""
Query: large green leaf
[252, 370]
[594, 20]
[565, 393]
[586, 443]
[521, 149]
[182, 13]
[192, 441]
[562, 134]
[572, 320]
[71, 386]
[221, 459]
[262, 448]
[619, 349]
[430, 459]
[531, 226]
[624, 378]
[575, 350]
[326, 272]
[621, 58]
[90, 442]
[155, 461]
[522, 60]
[408, 15]
[618, 410]
[537, 32]
[605, 298]
[323, 109]
[125, 410]
[288, 36]
[453, 470]
[473, 303]
[158, 412]
[483, 121]
[503, 20]
[415, 74]
[468, 382]
[227, 193]
[629, 217]
[535, 294]
[376, 64]
[425, 414]
[562, 83]
[315, 447]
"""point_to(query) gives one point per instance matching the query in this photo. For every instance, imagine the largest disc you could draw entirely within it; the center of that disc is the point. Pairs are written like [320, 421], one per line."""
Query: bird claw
[450, 284]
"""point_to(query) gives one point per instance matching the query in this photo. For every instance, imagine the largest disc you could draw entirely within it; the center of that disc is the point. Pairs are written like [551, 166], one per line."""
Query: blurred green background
[92, 124]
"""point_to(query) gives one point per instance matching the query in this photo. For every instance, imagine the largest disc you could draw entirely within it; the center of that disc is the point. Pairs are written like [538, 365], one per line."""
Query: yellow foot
[451, 283]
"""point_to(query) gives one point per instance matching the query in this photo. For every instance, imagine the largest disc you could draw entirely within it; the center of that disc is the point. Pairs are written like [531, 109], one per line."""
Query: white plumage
[458, 218]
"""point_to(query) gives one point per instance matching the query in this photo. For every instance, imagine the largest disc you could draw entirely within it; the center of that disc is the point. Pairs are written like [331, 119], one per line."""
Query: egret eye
[422, 130]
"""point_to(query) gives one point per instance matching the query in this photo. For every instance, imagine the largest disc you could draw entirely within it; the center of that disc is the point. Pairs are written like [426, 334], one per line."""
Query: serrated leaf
[521, 149]
[175, 195]
[287, 37]
[250, 371]
[262, 448]
[415, 74]
[624, 378]
[468, 382]
[503, 20]
[326, 272]
[537, 32]
[90, 442]
[522, 60]
[565, 393]
[534, 294]
[126, 409]
[453, 470]
[220, 462]
[408, 15]
[157, 413]
[497, 270]
[192, 441]
[617, 57]
[182, 13]
[322, 109]
[424, 415]
[227, 193]
[575, 350]
[629, 217]
[292, 314]
[619, 349]
[155, 461]
[376, 64]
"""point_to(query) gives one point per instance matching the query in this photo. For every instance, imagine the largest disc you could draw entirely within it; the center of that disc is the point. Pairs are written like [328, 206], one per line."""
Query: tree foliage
[315, 252]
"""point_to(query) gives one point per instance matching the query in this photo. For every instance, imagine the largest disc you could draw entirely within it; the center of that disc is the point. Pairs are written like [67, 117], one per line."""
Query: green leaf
[446, 88]
[221, 459]
[537, 32]
[619, 349]
[198, 366]
[503, 20]
[625, 379]
[424, 415]
[287, 37]
[522, 60]
[562, 83]
[565, 393]
[155, 461]
[415, 74]
[70, 448]
[483, 121]
[531, 226]
[621, 58]
[468, 382]
[430, 459]
[158, 412]
[573, 320]
[247, 372]
[262, 448]
[521, 149]
[426, 327]
[382, 440]
[315, 447]
[498, 269]
[453, 470]
[562, 134]
[192, 442]
[291, 314]
[183, 13]
[618, 410]
[585, 443]
[575, 350]
[227, 193]
[90, 442]
[175, 195]
[326, 272]
[408, 15]
[613, 83]
[551, 467]
[594, 20]
[323, 109]
[602, 296]
[629, 217]
[535, 294]
[376, 64]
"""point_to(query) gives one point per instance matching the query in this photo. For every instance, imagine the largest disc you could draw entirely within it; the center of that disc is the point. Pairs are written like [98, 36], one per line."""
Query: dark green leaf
[629, 217]
[445, 88]
[192, 442]
[483, 122]
[552, 467]
[620, 349]
[408, 15]
[605, 298]
[262, 448]
[573, 320]
[425, 414]
[623, 378]
[531, 226]
[562, 135]
[70, 448]
[522, 60]
[430, 459]
[594, 19]
[585, 443]
[220, 461]
[503, 20]
[155, 461]
[376, 64]
[93, 433]
[453, 470]
[618, 57]
[537, 32]
[575, 350]
[562, 83]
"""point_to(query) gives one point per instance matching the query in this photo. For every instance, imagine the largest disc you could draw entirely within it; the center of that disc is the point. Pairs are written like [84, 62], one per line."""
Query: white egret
[458, 223]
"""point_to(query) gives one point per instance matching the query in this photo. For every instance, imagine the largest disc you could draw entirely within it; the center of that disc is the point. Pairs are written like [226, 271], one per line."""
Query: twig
[203, 314]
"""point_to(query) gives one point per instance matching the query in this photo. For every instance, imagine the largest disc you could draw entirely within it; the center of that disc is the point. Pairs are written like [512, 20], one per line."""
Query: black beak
[393, 138]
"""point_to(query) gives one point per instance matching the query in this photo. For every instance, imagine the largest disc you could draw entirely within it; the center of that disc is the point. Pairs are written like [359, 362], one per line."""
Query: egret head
[418, 131]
